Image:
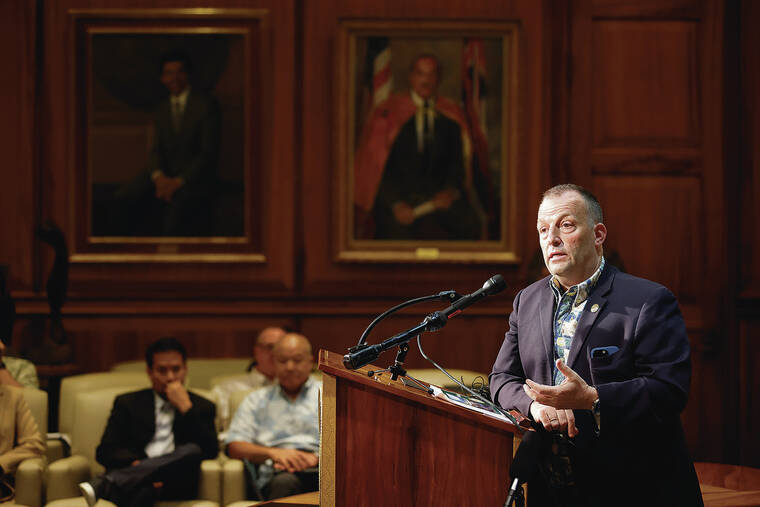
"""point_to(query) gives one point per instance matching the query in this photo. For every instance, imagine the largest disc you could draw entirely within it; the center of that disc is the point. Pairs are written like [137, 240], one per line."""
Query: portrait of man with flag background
[428, 159]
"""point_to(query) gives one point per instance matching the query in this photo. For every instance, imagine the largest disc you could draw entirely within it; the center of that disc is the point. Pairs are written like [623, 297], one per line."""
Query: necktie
[176, 114]
[427, 135]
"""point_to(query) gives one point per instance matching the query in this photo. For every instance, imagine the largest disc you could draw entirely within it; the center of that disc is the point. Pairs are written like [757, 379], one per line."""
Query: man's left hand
[572, 393]
[177, 396]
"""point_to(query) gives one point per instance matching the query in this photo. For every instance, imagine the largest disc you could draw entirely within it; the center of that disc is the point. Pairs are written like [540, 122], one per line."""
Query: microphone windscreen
[525, 462]
[494, 285]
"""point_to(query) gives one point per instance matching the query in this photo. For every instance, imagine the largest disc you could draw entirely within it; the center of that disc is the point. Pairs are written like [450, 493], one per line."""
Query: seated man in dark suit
[155, 438]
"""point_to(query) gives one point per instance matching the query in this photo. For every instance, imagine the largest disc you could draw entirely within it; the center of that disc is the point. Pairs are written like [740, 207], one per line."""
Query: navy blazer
[639, 454]
[132, 424]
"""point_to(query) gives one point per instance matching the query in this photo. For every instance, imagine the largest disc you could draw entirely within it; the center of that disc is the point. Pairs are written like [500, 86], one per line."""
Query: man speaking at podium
[600, 359]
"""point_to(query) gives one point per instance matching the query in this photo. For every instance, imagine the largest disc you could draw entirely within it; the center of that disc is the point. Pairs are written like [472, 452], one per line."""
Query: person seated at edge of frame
[20, 437]
[155, 438]
[277, 427]
[14, 371]
[261, 372]
[174, 196]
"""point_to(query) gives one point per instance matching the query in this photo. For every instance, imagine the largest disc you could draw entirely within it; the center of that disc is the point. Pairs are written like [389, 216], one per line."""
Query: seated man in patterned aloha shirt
[276, 428]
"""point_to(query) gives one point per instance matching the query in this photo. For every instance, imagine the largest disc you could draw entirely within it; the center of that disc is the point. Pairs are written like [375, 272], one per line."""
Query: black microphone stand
[397, 370]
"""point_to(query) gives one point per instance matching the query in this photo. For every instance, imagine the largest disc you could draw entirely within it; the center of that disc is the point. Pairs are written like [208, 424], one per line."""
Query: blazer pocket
[603, 369]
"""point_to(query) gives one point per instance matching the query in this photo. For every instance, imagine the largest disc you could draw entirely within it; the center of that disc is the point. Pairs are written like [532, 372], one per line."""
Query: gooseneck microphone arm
[448, 295]
[363, 354]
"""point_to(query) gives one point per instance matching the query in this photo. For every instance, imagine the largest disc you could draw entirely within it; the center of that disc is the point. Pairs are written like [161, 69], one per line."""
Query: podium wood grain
[384, 443]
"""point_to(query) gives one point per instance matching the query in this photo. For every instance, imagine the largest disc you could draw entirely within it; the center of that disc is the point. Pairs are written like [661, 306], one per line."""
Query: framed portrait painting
[167, 157]
[426, 149]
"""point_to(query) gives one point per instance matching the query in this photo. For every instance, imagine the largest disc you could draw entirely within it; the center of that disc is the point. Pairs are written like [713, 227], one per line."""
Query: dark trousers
[137, 212]
[287, 484]
[133, 486]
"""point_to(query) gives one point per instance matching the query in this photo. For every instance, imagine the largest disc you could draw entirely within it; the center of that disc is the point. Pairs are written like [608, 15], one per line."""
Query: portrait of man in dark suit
[175, 195]
[166, 135]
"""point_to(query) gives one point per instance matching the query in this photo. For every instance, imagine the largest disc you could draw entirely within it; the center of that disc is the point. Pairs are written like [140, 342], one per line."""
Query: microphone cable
[475, 394]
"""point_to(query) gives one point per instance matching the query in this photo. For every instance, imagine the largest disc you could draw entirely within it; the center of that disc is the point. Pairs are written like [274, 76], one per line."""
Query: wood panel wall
[639, 101]
[746, 259]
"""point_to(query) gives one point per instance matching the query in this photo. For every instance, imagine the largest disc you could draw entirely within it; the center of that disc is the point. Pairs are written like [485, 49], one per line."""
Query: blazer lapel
[189, 114]
[594, 307]
[546, 319]
[147, 411]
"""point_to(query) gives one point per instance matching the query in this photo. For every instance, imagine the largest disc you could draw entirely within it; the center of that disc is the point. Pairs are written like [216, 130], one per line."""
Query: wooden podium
[387, 444]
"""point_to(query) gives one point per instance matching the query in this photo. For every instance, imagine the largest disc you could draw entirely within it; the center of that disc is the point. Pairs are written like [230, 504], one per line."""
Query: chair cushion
[70, 386]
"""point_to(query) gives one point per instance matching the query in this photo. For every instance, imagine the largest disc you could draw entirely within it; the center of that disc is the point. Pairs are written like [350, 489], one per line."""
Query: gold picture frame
[428, 176]
[118, 56]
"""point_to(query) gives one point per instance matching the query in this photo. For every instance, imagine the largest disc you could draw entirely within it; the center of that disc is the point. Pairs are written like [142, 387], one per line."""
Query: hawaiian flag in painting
[474, 93]
[379, 61]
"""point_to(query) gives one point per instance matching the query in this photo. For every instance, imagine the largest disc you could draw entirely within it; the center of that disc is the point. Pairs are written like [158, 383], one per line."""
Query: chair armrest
[63, 476]
[210, 481]
[29, 478]
[57, 449]
[233, 481]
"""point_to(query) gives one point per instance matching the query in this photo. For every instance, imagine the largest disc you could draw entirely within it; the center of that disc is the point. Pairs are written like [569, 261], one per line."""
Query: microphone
[493, 285]
[363, 354]
[525, 463]
[360, 355]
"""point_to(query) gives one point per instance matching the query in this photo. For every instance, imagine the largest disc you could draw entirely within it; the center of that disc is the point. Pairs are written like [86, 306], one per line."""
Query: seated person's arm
[195, 420]
[27, 435]
[291, 460]
[114, 451]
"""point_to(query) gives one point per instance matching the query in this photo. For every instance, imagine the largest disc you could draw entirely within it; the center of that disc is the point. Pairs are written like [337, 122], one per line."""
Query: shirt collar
[304, 389]
[420, 102]
[182, 97]
[582, 290]
[160, 403]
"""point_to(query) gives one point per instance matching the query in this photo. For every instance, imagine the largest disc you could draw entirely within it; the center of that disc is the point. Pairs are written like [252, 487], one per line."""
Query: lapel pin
[595, 308]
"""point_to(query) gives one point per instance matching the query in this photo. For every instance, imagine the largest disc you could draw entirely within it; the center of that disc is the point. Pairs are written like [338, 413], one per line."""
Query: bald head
[293, 341]
[293, 362]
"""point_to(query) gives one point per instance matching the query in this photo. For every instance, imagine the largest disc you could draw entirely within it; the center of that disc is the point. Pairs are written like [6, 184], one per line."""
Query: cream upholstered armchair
[91, 411]
[30, 472]
[233, 470]
[71, 386]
